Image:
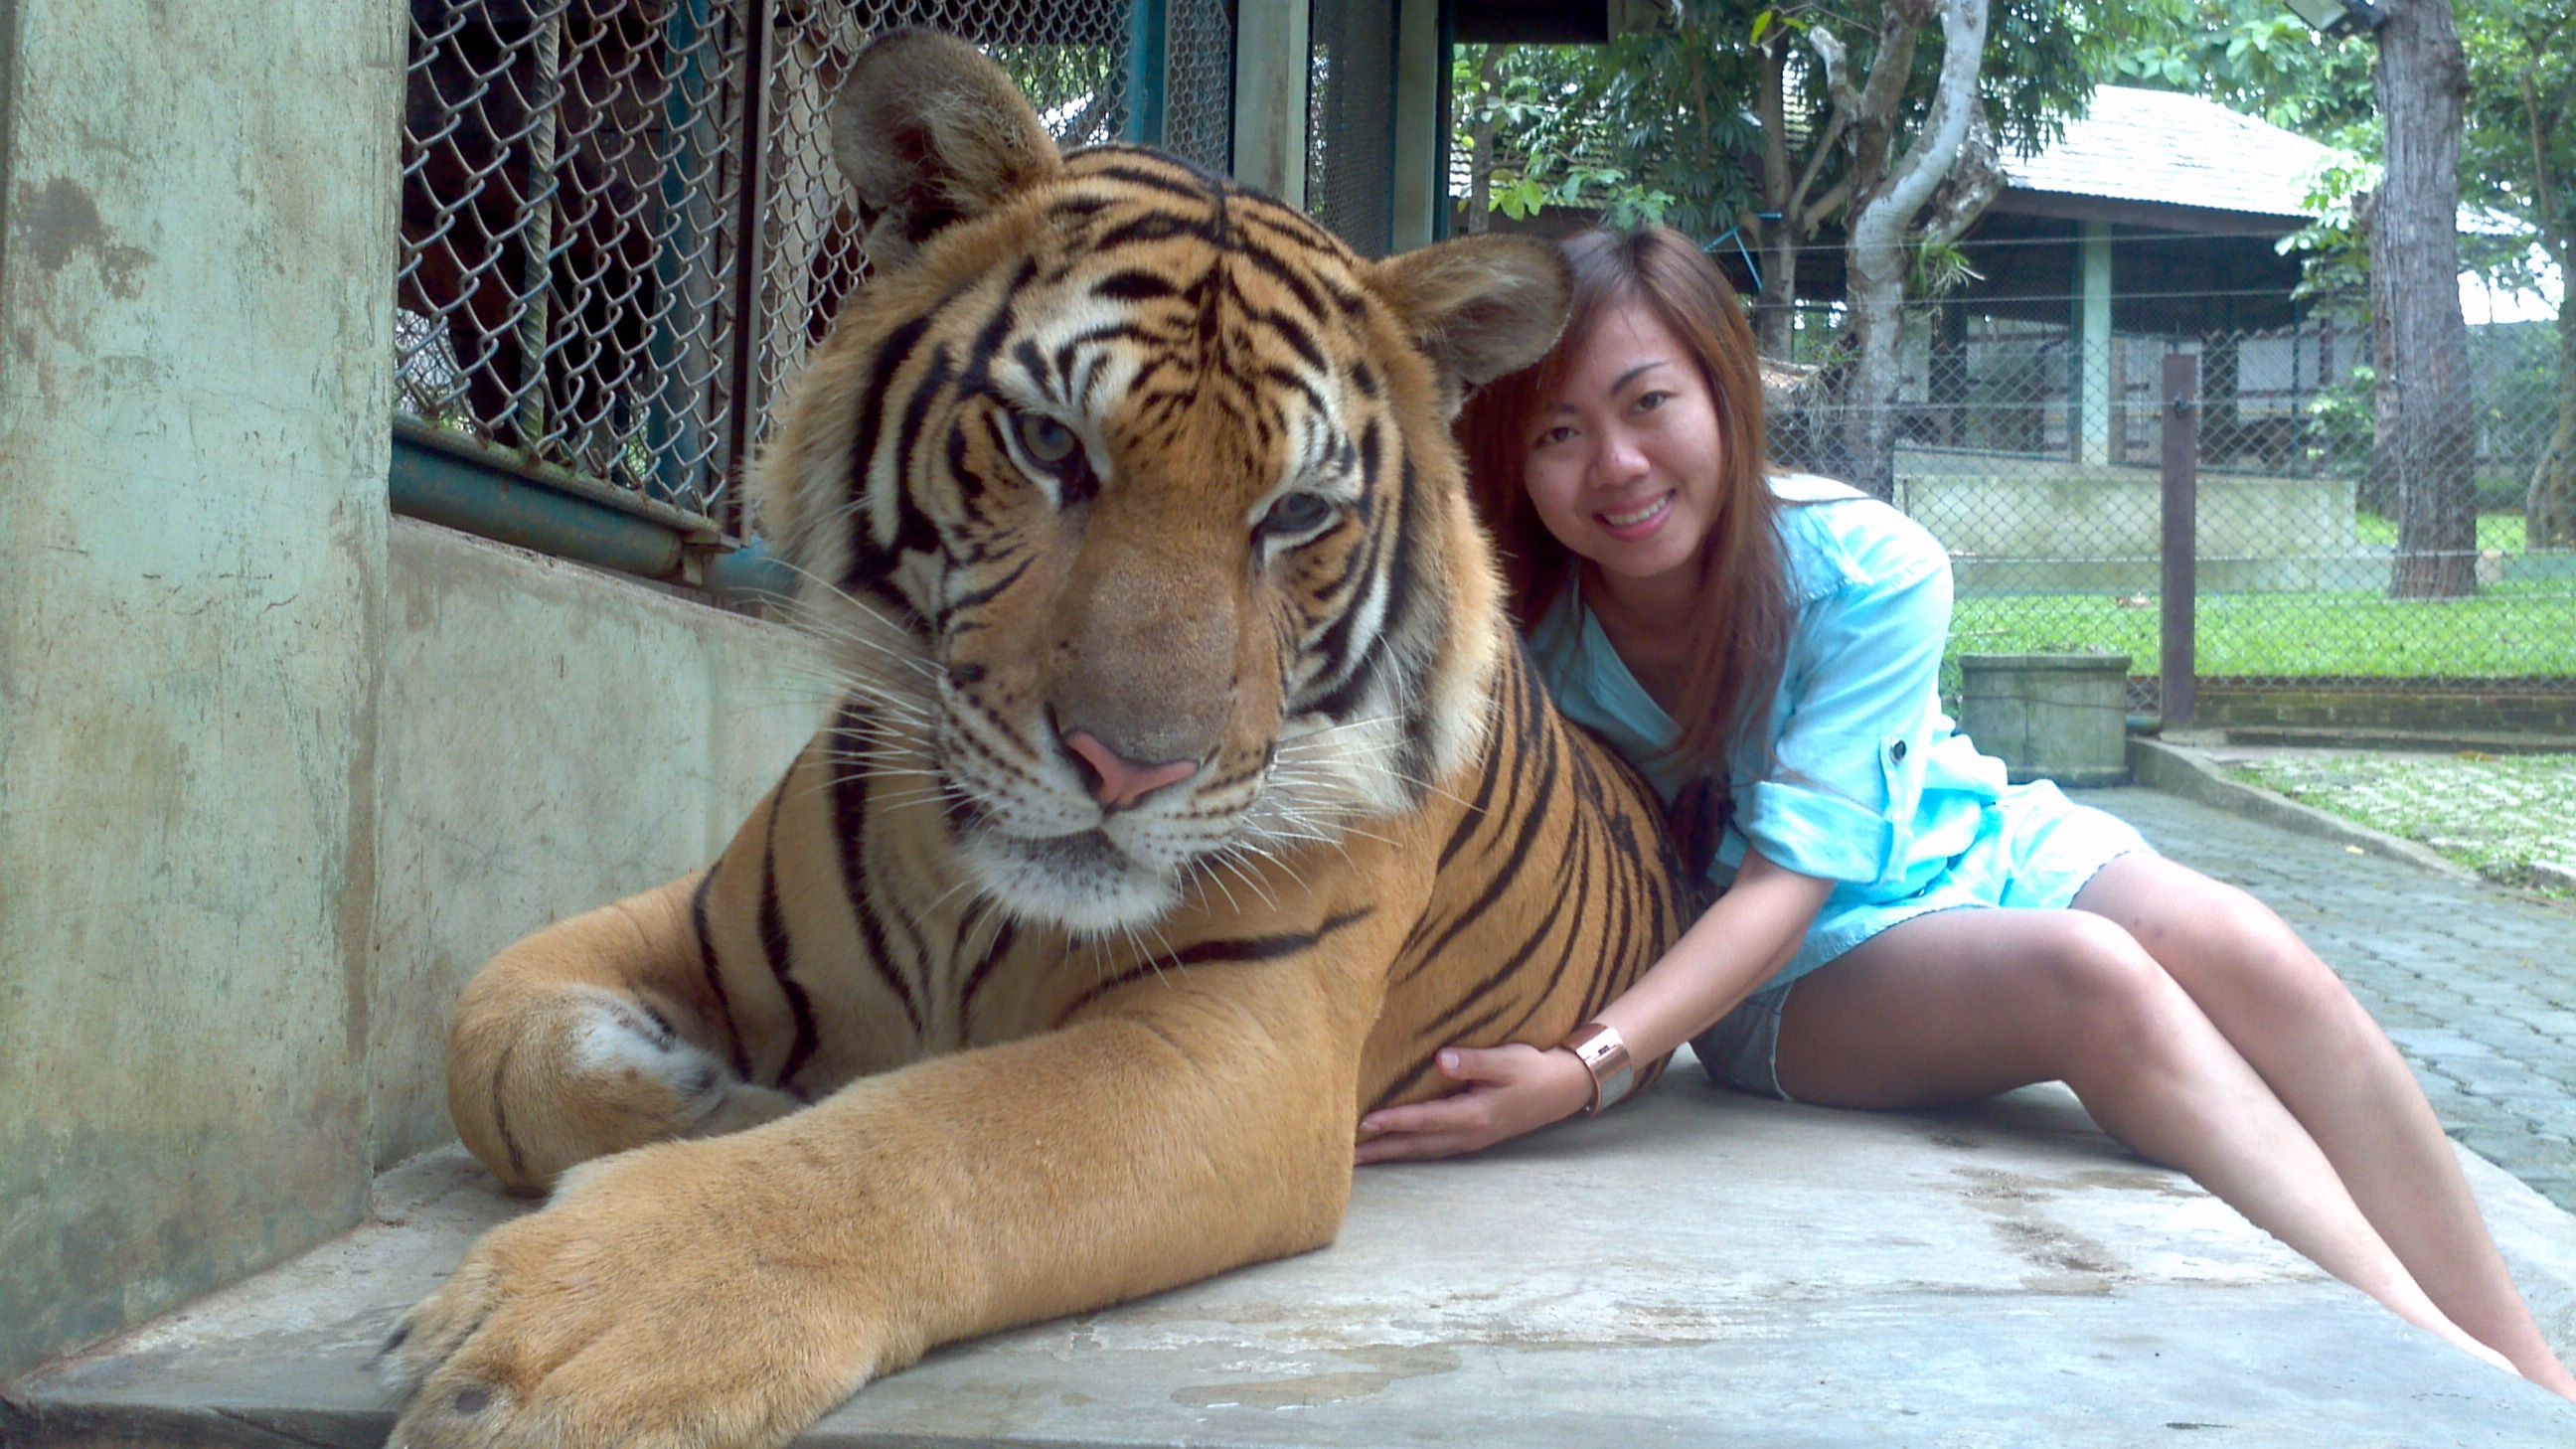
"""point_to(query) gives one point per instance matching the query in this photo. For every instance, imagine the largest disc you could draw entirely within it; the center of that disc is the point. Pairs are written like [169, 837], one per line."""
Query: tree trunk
[2549, 509]
[1775, 309]
[1875, 286]
[2379, 469]
[1874, 252]
[2549, 512]
[1776, 242]
[1480, 165]
[2427, 438]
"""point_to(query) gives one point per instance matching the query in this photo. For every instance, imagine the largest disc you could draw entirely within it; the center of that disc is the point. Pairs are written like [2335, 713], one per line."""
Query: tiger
[1186, 789]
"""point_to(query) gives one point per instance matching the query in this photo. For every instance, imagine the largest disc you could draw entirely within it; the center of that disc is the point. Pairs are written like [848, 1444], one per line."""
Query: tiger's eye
[1297, 513]
[1048, 441]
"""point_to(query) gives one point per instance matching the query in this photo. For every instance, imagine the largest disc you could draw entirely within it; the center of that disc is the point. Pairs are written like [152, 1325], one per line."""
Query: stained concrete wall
[550, 738]
[192, 464]
[275, 770]
[2059, 526]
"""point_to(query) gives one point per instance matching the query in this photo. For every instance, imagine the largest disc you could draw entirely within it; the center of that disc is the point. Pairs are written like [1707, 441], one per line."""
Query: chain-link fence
[622, 225]
[1350, 128]
[2323, 559]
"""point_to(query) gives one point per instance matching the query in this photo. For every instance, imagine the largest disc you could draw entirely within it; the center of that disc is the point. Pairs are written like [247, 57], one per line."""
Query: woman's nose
[1619, 458]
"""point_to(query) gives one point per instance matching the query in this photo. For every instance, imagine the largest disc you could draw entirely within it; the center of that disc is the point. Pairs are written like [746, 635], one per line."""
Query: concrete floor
[1698, 1268]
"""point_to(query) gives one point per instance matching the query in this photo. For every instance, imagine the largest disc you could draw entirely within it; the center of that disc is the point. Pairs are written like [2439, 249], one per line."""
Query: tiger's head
[1153, 479]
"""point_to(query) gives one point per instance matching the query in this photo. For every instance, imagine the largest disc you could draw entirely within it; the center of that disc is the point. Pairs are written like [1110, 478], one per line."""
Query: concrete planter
[2061, 717]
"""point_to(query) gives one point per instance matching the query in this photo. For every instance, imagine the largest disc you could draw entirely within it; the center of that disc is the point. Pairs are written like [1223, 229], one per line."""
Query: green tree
[1947, 165]
[2389, 226]
[1889, 119]
[2256, 57]
[1647, 123]
[1785, 121]
[2519, 158]
[2427, 443]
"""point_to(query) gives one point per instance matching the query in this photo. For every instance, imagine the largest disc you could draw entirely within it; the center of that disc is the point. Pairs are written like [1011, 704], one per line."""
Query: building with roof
[2152, 225]
[2174, 158]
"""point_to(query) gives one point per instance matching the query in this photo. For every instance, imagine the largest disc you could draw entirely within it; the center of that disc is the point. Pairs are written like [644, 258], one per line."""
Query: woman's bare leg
[1960, 1005]
[2293, 1020]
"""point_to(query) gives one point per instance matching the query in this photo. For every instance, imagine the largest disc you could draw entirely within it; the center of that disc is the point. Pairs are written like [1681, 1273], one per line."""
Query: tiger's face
[1154, 476]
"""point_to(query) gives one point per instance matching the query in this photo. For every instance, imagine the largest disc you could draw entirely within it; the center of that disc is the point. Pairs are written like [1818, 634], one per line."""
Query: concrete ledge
[1698, 1268]
[2180, 770]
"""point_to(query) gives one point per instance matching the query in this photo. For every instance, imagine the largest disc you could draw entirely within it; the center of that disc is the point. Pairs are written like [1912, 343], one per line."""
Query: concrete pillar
[1270, 98]
[197, 242]
[1420, 189]
[2091, 414]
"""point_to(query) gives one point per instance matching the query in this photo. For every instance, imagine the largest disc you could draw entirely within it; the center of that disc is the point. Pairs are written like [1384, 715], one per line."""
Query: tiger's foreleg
[593, 1036]
[722, 1294]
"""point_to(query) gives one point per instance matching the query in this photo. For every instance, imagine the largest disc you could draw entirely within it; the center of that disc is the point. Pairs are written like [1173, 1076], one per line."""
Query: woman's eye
[1297, 513]
[1652, 401]
[1553, 436]
[1048, 441]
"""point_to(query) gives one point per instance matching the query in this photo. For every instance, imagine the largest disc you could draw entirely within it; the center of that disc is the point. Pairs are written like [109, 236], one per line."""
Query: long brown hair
[1740, 629]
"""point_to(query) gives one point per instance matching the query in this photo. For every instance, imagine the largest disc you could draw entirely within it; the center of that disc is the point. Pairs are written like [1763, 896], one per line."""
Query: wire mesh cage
[622, 226]
[2324, 558]
[1350, 132]
[1198, 110]
[571, 179]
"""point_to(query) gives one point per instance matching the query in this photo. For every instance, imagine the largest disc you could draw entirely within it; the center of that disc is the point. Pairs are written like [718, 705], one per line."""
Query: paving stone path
[2476, 984]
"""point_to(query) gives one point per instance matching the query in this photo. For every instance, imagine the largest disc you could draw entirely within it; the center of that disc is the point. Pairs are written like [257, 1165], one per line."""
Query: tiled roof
[2158, 146]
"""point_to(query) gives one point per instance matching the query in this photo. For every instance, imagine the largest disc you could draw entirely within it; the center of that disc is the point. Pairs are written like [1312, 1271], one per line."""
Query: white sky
[2481, 304]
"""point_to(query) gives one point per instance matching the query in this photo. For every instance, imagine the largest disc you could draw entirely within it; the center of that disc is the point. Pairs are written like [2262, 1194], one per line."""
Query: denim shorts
[2035, 850]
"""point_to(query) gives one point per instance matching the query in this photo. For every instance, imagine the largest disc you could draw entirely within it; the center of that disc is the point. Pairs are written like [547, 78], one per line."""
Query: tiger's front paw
[669, 1298]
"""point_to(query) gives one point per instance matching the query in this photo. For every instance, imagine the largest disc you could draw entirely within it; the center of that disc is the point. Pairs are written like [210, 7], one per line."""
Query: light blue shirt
[1864, 781]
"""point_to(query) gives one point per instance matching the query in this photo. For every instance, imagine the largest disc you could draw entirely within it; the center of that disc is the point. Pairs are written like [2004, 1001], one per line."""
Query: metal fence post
[536, 263]
[1148, 61]
[1272, 70]
[742, 405]
[2177, 686]
[674, 420]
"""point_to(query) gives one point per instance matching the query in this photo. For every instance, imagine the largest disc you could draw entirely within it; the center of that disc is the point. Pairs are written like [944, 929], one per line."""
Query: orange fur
[940, 1044]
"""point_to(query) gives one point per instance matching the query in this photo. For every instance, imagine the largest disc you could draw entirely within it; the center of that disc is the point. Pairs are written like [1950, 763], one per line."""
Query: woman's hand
[1510, 1089]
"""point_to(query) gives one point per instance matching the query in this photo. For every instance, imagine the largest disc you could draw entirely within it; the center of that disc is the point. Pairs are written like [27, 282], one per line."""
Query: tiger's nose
[1118, 782]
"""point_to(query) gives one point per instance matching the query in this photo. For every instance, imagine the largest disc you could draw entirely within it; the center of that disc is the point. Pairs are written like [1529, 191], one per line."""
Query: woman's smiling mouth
[1637, 522]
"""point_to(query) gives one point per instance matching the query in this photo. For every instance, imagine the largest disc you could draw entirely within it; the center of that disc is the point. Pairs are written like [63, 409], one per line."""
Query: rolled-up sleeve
[1837, 801]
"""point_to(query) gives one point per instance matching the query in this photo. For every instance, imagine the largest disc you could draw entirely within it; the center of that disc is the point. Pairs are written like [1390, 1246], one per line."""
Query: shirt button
[1897, 751]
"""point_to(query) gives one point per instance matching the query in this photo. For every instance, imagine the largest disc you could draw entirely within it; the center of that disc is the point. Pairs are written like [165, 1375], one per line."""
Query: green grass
[2497, 815]
[2506, 631]
[2497, 532]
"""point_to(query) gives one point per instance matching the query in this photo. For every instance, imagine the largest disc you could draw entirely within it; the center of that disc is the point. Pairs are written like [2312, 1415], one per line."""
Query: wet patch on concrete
[2013, 1201]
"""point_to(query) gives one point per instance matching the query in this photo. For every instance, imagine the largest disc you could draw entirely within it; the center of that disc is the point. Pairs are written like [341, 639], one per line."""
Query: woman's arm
[1750, 932]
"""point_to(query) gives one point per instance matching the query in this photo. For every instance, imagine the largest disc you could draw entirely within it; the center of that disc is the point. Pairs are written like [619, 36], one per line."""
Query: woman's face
[1624, 462]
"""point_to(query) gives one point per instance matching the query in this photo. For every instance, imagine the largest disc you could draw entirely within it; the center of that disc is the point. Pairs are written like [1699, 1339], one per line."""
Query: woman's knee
[2207, 931]
[2247, 960]
[2102, 989]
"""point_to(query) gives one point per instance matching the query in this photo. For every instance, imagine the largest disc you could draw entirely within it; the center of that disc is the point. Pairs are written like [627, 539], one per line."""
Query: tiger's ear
[1481, 306]
[930, 133]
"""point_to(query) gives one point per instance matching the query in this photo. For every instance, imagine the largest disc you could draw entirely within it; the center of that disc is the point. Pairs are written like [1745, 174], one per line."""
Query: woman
[1898, 928]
